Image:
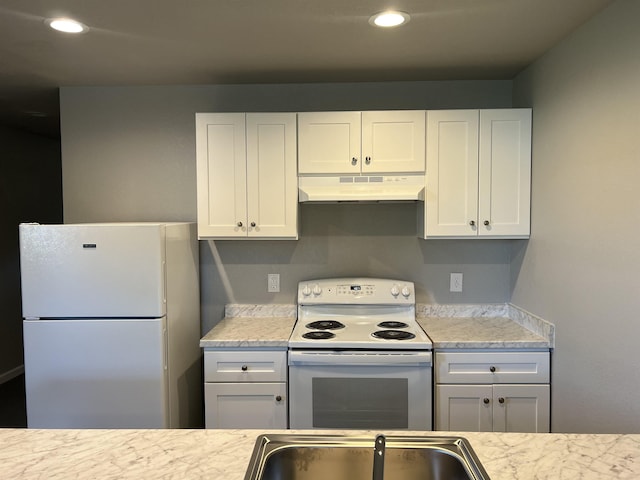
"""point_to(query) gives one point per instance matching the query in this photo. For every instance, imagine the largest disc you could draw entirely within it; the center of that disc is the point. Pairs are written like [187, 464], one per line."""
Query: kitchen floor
[13, 410]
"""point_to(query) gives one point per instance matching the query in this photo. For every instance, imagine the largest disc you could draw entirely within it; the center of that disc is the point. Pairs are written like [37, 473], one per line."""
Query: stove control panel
[356, 291]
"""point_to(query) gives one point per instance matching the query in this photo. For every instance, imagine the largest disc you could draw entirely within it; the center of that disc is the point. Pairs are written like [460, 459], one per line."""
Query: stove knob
[395, 291]
[406, 292]
[306, 291]
[317, 290]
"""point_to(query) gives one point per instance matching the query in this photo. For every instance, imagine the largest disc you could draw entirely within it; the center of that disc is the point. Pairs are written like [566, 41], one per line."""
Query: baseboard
[11, 374]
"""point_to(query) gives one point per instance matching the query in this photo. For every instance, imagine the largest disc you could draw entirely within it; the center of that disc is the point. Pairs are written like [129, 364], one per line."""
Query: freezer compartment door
[92, 270]
[96, 373]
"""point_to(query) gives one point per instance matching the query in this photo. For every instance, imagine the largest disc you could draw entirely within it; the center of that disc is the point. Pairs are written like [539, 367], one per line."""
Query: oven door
[372, 390]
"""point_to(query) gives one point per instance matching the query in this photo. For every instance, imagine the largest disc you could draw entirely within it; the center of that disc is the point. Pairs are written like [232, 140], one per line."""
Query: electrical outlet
[455, 282]
[273, 282]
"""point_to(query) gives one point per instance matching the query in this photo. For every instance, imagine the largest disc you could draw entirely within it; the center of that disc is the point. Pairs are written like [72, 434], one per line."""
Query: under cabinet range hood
[361, 188]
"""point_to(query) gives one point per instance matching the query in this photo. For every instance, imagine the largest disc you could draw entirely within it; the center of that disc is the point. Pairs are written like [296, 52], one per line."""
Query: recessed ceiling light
[389, 19]
[66, 25]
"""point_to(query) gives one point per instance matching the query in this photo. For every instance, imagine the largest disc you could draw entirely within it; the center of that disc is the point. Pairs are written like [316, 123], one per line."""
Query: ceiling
[182, 42]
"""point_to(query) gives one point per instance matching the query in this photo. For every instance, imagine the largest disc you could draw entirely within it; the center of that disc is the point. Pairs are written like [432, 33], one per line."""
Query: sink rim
[268, 444]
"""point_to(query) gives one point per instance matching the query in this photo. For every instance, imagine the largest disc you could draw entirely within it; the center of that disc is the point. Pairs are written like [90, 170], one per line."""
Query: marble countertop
[249, 332]
[498, 326]
[225, 454]
[473, 332]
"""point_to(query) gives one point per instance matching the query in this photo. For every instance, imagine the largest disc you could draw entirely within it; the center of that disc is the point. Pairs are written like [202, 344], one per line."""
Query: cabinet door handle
[367, 160]
[485, 400]
[486, 223]
[354, 161]
[239, 224]
[472, 223]
[492, 369]
[253, 224]
[501, 400]
[278, 398]
[244, 368]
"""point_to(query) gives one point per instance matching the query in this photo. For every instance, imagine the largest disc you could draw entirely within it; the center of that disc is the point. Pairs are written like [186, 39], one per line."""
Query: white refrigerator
[111, 325]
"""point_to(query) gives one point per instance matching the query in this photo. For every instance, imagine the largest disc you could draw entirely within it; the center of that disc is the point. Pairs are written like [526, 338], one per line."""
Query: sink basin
[322, 457]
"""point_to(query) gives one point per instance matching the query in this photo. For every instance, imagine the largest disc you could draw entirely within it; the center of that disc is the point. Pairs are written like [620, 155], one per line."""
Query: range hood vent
[361, 188]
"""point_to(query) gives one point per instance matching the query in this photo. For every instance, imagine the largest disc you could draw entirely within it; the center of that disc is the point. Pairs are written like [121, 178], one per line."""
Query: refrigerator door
[92, 270]
[96, 373]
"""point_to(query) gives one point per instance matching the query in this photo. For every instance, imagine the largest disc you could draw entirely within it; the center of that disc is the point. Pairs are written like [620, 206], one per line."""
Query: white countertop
[480, 332]
[224, 454]
[449, 326]
[237, 332]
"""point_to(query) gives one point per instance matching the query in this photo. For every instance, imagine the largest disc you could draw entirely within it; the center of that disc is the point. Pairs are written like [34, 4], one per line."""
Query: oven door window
[360, 403]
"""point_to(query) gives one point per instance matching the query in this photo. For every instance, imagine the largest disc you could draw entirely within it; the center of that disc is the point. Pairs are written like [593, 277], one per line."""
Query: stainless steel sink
[323, 457]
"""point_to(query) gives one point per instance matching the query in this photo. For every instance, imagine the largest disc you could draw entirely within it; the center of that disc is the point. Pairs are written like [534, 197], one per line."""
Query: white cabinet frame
[355, 143]
[478, 174]
[247, 175]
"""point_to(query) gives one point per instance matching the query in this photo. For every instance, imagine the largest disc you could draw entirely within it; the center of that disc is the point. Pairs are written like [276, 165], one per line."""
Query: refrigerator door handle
[165, 340]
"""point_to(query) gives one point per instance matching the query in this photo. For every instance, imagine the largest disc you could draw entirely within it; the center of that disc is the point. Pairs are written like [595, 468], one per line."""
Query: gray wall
[580, 267]
[30, 191]
[129, 154]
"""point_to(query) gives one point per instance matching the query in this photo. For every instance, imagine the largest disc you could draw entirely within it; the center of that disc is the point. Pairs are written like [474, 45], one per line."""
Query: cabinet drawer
[492, 367]
[245, 366]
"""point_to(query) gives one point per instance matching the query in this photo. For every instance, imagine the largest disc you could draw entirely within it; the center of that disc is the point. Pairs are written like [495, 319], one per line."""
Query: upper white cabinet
[478, 174]
[247, 178]
[361, 142]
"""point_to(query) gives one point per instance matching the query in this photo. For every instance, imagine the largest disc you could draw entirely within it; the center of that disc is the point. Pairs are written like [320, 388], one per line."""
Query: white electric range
[358, 358]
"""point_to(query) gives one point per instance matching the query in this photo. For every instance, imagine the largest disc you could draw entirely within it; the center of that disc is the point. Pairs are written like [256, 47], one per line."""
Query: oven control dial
[395, 291]
[306, 290]
[317, 290]
[406, 292]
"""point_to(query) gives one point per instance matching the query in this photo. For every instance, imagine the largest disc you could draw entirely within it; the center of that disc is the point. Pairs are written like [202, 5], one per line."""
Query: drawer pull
[492, 369]
[501, 400]
[244, 368]
[485, 400]
[278, 398]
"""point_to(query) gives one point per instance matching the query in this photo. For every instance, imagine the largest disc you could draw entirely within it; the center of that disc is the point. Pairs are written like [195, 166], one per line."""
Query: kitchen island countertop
[224, 454]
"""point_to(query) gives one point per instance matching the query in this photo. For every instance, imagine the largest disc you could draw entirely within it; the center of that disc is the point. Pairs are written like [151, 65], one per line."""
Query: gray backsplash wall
[128, 154]
[357, 240]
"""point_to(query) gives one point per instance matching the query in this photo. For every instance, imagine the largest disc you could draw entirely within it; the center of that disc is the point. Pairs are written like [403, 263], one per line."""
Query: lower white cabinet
[492, 391]
[245, 388]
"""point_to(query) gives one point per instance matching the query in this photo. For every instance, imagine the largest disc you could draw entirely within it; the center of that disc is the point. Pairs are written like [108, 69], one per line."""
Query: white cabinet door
[393, 141]
[505, 172]
[464, 408]
[352, 143]
[247, 176]
[221, 174]
[245, 405]
[272, 181]
[451, 199]
[497, 408]
[478, 173]
[329, 142]
[521, 408]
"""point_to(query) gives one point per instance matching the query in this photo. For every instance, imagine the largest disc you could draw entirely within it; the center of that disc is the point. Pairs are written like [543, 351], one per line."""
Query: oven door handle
[323, 357]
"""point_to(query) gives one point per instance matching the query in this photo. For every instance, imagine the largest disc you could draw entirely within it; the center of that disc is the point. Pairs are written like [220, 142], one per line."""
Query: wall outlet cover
[455, 282]
[273, 282]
